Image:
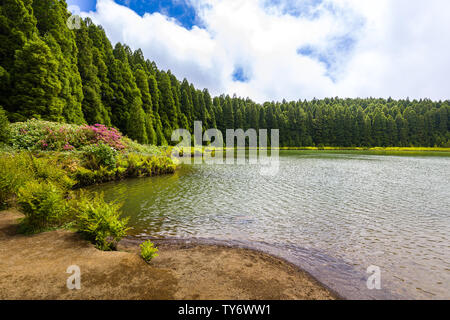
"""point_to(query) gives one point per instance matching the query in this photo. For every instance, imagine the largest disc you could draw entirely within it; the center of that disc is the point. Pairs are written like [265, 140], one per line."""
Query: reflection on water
[332, 214]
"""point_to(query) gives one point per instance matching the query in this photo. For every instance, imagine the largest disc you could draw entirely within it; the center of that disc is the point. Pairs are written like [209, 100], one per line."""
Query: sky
[270, 50]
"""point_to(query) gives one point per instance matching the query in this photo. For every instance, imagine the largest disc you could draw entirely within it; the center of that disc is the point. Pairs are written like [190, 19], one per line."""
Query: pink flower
[68, 147]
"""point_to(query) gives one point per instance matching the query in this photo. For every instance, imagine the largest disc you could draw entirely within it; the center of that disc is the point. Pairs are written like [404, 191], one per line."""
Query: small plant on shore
[100, 221]
[148, 250]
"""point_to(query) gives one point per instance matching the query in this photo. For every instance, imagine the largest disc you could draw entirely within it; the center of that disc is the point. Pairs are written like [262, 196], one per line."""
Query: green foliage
[137, 128]
[36, 85]
[48, 169]
[51, 19]
[41, 184]
[141, 165]
[52, 136]
[100, 155]
[44, 135]
[91, 66]
[42, 203]
[87, 177]
[5, 131]
[148, 250]
[100, 221]
[18, 168]
[14, 172]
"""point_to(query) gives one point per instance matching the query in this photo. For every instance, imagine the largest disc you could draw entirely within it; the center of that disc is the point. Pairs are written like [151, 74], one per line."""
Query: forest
[53, 73]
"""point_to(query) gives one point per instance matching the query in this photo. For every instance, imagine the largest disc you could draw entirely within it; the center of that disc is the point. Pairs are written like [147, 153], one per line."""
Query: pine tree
[17, 26]
[147, 105]
[35, 83]
[228, 115]
[137, 129]
[93, 109]
[167, 110]
[211, 120]
[51, 18]
[126, 94]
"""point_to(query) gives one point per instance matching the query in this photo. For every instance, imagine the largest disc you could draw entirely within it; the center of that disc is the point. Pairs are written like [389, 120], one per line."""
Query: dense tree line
[51, 72]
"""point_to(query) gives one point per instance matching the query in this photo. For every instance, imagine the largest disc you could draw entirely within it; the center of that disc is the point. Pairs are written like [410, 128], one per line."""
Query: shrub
[44, 135]
[99, 133]
[52, 136]
[14, 173]
[96, 156]
[148, 251]
[48, 169]
[100, 221]
[42, 203]
[142, 165]
[144, 148]
[5, 131]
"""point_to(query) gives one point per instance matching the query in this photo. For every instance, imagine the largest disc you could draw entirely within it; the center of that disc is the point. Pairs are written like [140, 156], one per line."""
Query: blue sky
[181, 10]
[85, 5]
[289, 49]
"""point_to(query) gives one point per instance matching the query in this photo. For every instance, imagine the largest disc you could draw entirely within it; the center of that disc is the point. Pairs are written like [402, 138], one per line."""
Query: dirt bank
[34, 267]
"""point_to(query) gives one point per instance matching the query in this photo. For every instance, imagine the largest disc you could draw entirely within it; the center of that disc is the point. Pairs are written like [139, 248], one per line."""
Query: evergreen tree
[52, 16]
[93, 108]
[17, 26]
[228, 114]
[35, 83]
[142, 84]
[167, 110]
[137, 129]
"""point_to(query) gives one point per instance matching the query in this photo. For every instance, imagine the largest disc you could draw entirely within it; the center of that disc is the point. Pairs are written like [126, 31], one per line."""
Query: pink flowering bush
[51, 136]
[101, 133]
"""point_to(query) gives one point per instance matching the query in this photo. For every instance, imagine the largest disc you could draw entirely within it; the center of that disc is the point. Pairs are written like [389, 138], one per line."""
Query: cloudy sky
[290, 49]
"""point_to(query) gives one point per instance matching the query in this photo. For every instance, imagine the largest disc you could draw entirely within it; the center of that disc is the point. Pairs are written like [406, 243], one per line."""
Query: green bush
[148, 251]
[15, 171]
[53, 136]
[42, 203]
[45, 135]
[5, 130]
[100, 221]
[96, 156]
[143, 165]
[48, 169]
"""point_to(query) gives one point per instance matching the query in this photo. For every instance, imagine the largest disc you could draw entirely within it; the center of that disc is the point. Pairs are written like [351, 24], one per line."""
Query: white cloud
[356, 47]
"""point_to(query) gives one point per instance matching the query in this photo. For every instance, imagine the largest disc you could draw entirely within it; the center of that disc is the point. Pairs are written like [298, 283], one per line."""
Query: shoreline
[34, 267]
[131, 244]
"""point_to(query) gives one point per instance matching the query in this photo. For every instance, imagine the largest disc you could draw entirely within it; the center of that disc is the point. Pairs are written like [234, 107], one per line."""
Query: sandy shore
[34, 267]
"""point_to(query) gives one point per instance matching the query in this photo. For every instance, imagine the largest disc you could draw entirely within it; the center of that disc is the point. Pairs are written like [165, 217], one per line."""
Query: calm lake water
[332, 214]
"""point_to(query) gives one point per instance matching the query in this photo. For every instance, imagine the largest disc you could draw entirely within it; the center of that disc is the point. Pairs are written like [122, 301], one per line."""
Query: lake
[334, 214]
